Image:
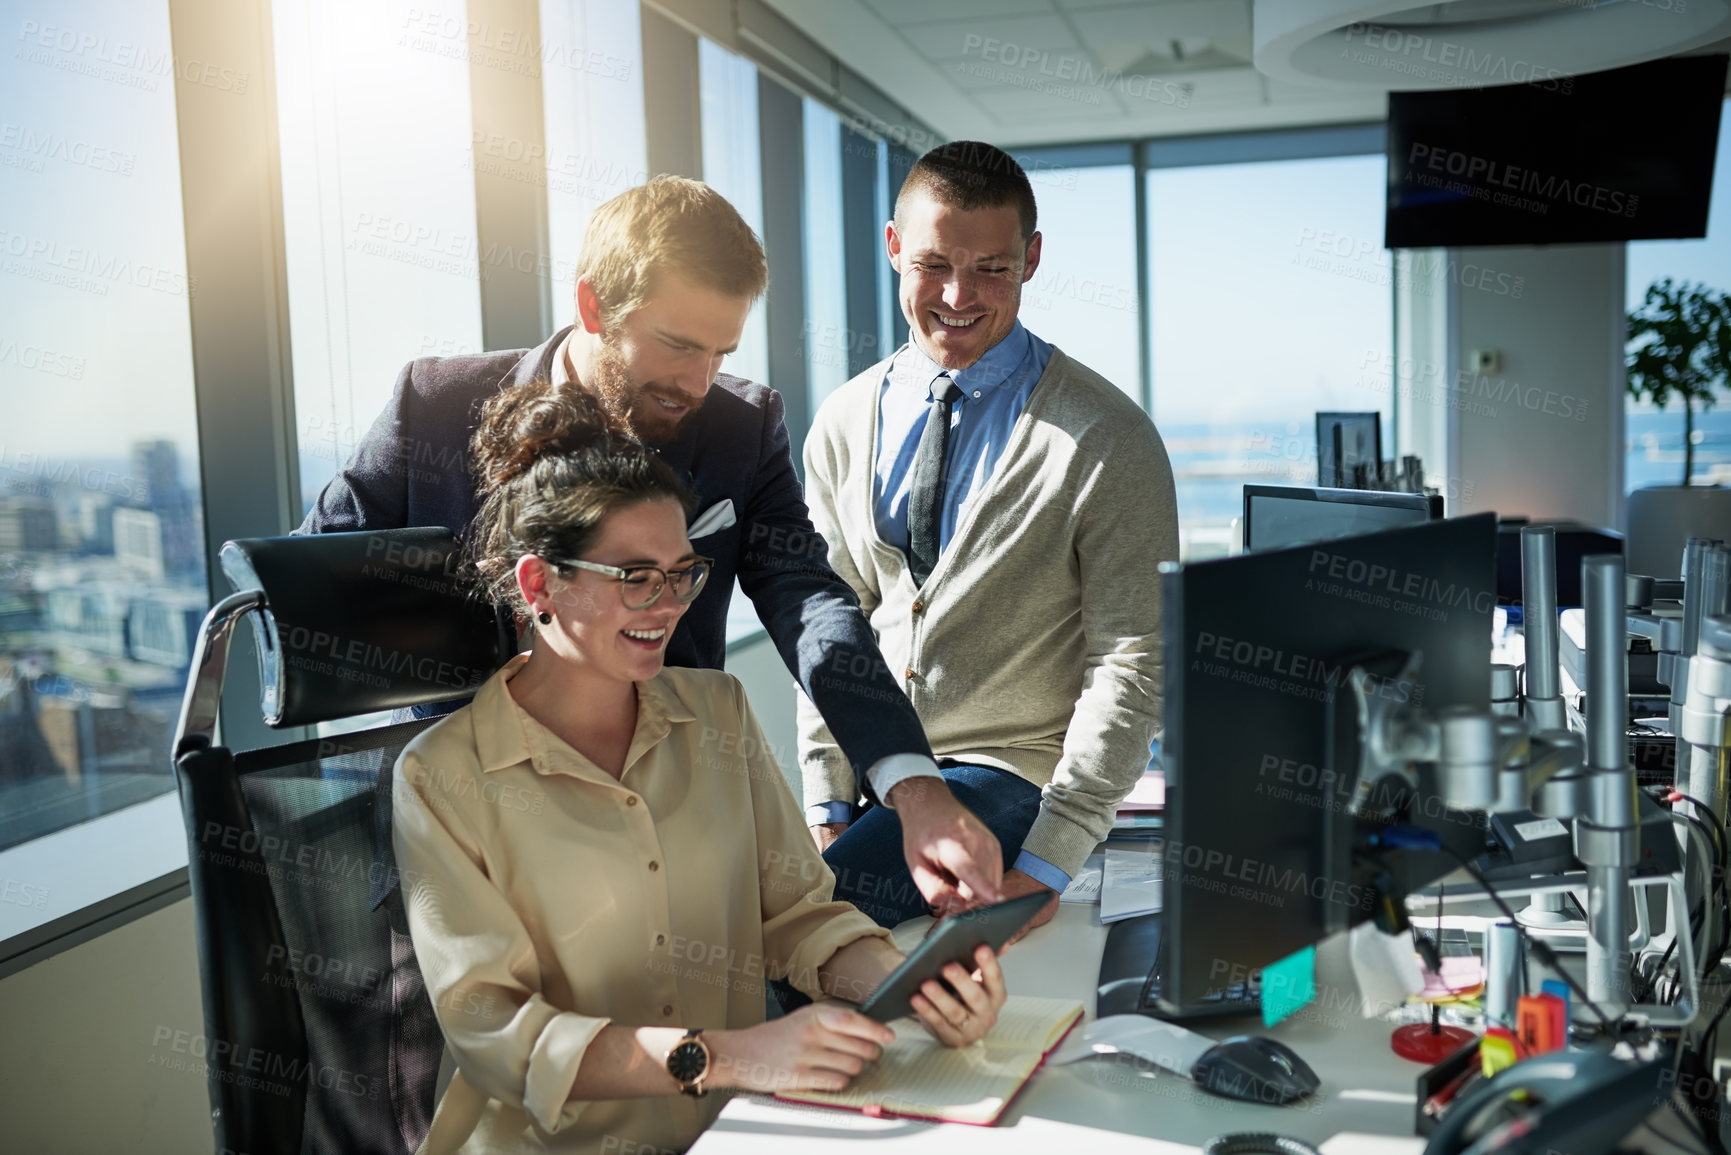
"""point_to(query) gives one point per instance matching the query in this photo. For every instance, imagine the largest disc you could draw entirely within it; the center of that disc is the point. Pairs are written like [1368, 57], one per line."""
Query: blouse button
[631, 801]
[660, 939]
[654, 865]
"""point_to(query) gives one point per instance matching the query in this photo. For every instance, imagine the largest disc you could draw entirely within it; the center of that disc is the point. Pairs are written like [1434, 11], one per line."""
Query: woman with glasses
[601, 861]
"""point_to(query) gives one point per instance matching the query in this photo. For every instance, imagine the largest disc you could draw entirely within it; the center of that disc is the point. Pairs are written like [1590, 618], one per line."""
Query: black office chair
[319, 1033]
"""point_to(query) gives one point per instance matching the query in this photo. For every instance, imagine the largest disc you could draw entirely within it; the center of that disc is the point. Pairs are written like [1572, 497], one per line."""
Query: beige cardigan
[1034, 645]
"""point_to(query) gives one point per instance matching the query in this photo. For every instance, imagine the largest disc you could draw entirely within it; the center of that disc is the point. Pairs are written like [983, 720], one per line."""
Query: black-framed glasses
[640, 586]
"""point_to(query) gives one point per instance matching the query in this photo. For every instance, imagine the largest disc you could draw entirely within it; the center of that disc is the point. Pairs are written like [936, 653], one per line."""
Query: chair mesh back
[373, 1046]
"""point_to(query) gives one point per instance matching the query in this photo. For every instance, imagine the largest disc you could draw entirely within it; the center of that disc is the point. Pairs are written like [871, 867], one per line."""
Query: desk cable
[1417, 838]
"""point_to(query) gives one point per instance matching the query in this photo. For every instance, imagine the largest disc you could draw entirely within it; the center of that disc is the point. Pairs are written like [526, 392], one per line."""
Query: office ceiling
[1417, 46]
[1025, 72]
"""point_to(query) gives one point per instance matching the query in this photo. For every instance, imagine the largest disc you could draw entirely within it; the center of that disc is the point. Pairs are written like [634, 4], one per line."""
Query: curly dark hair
[550, 467]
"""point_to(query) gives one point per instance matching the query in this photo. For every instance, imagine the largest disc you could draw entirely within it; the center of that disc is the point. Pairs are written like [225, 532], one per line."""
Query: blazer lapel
[537, 363]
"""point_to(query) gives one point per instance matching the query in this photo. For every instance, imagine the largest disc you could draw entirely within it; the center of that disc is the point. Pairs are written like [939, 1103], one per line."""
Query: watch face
[688, 1061]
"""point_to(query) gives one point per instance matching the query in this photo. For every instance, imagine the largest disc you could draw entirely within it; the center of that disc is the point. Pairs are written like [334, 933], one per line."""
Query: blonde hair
[670, 225]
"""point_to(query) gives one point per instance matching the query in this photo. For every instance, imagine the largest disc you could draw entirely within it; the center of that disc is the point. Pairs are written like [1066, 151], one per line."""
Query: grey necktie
[925, 504]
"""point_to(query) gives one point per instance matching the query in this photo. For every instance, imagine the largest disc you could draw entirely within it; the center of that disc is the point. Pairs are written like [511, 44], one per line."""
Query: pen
[1434, 1105]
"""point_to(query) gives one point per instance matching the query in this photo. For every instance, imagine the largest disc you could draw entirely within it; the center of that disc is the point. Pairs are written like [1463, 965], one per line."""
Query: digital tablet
[955, 940]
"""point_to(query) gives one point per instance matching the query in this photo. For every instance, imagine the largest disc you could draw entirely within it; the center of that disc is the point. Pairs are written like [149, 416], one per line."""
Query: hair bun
[551, 467]
[525, 423]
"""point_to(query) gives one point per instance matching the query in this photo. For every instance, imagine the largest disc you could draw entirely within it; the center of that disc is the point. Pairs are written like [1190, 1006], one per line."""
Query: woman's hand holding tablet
[958, 1008]
[956, 940]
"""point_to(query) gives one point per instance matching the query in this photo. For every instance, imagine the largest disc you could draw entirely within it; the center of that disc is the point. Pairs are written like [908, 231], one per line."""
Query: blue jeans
[870, 869]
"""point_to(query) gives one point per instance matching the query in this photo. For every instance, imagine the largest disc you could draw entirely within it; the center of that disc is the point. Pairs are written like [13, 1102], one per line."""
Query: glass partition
[1270, 301]
[102, 575]
[1653, 437]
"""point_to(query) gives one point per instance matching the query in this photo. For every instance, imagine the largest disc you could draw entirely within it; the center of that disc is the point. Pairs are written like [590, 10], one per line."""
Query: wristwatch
[688, 1063]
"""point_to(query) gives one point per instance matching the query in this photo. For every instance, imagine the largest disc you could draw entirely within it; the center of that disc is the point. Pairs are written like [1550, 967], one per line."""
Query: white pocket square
[717, 517]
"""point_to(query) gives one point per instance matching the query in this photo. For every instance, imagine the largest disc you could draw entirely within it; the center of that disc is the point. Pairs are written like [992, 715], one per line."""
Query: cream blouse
[547, 900]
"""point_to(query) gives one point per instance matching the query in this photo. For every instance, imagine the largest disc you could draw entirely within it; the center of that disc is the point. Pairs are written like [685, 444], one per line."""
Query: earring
[544, 617]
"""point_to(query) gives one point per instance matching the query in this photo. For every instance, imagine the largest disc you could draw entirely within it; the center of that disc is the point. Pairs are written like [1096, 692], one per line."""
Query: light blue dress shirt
[994, 391]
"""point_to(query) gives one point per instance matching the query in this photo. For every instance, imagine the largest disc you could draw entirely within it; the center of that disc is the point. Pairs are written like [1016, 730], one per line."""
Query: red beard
[632, 405]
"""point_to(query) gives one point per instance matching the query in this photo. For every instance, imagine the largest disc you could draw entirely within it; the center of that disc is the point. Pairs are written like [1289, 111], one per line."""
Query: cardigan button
[653, 865]
[918, 607]
[631, 801]
[908, 673]
[667, 1010]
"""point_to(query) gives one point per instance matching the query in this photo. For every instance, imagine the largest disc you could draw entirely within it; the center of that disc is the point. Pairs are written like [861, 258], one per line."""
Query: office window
[1083, 296]
[733, 166]
[1270, 301]
[102, 576]
[378, 208]
[1653, 438]
[592, 103]
[827, 336]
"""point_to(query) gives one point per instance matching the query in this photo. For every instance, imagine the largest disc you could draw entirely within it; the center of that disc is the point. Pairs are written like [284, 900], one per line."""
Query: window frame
[1146, 154]
[129, 862]
[132, 862]
[121, 865]
[1630, 407]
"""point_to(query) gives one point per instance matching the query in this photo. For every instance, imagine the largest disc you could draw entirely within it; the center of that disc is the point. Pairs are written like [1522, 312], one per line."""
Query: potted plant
[1679, 348]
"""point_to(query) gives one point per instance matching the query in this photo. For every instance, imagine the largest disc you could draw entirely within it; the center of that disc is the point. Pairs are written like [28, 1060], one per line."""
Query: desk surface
[1365, 1105]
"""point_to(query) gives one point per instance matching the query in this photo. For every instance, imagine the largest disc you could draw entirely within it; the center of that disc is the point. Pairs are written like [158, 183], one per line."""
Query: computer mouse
[1254, 1069]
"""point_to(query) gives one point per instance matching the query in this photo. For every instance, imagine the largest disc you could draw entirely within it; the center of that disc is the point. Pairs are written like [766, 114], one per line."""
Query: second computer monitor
[1348, 449]
[1282, 516]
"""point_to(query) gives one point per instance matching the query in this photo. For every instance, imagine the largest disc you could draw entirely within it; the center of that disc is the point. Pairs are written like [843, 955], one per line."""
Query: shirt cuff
[552, 1069]
[887, 773]
[1041, 871]
[826, 812]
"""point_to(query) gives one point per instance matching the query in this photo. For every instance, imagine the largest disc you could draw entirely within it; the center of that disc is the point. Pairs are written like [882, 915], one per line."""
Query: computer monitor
[1259, 840]
[1574, 541]
[1348, 450]
[1282, 516]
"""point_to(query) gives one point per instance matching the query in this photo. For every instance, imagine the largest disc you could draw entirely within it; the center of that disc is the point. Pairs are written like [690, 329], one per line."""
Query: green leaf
[1679, 345]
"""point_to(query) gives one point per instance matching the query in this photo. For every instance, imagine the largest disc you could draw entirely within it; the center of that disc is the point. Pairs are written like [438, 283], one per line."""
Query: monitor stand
[1130, 978]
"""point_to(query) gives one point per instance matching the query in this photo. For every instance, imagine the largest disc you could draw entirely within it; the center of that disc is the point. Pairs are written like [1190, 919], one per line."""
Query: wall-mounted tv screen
[1621, 155]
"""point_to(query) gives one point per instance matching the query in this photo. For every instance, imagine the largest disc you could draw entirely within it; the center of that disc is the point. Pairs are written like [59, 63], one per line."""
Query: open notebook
[920, 1078]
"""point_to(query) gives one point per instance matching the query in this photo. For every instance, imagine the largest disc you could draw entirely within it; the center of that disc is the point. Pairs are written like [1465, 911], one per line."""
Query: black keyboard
[1130, 978]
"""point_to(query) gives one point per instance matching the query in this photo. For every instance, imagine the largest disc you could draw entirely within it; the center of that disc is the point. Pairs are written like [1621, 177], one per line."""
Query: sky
[95, 333]
[1270, 291]
[1707, 260]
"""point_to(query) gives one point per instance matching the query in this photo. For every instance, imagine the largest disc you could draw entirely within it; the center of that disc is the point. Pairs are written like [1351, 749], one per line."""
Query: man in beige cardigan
[1001, 511]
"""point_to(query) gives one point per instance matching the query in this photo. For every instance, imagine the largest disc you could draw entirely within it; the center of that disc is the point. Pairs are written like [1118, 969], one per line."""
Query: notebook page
[920, 1076]
[1029, 1023]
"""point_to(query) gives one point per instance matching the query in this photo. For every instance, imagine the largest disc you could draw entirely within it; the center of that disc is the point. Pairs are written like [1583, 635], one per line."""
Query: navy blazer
[412, 469]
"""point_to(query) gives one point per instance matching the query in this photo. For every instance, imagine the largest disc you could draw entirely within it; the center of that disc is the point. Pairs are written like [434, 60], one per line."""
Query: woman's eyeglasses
[640, 586]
